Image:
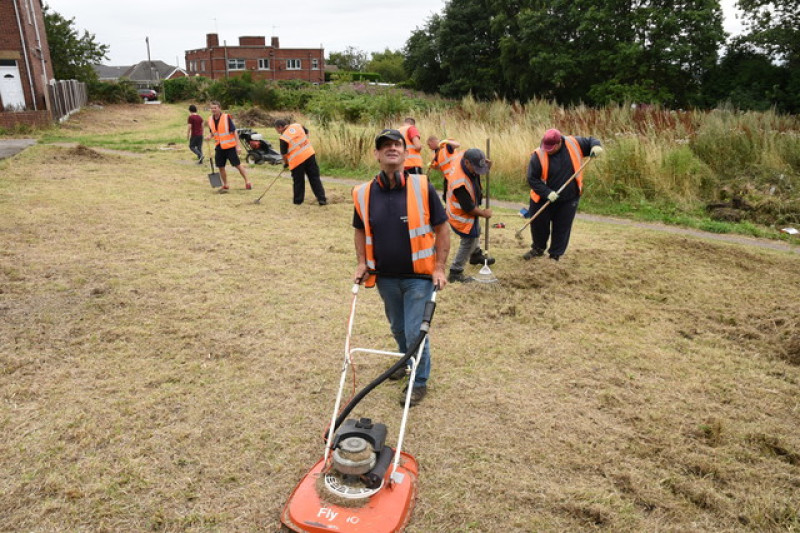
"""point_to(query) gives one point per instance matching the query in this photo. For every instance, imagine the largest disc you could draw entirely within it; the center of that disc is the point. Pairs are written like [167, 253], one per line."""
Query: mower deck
[388, 510]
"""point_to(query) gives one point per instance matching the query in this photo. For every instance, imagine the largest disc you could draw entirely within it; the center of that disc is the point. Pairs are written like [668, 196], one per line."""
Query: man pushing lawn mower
[402, 241]
[555, 174]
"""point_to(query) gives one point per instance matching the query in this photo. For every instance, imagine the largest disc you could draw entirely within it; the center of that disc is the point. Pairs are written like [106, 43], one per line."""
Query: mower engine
[360, 459]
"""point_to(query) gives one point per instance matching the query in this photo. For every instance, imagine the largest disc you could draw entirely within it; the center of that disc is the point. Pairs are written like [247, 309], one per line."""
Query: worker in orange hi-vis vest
[413, 164]
[551, 167]
[300, 158]
[223, 132]
[402, 240]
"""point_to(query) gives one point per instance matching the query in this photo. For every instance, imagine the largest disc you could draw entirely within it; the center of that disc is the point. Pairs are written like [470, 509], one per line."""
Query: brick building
[254, 56]
[25, 68]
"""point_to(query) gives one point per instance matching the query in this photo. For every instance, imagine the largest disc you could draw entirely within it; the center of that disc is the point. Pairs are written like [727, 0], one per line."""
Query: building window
[293, 64]
[315, 64]
[263, 64]
[236, 64]
[203, 65]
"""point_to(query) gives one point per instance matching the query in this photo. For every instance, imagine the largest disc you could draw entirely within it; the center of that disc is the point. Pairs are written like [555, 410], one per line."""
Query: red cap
[551, 139]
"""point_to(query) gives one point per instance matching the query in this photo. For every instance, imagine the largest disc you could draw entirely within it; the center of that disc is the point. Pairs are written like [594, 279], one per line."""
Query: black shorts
[228, 154]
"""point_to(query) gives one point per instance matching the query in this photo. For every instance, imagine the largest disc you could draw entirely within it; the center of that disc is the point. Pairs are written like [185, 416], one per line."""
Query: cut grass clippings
[170, 356]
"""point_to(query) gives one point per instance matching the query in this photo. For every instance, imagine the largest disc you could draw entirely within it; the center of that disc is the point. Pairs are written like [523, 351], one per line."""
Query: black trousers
[196, 145]
[308, 168]
[555, 224]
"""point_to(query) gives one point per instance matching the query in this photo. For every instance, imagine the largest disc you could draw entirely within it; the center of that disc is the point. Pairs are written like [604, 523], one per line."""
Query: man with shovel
[464, 197]
[401, 241]
[226, 138]
[552, 165]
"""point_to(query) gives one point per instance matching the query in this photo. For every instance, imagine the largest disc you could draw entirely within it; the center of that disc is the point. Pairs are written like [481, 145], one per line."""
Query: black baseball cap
[478, 160]
[394, 135]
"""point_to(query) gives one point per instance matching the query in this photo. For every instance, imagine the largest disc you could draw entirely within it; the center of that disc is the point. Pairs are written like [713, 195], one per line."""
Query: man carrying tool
[464, 197]
[550, 167]
[226, 138]
[413, 164]
[300, 158]
[401, 241]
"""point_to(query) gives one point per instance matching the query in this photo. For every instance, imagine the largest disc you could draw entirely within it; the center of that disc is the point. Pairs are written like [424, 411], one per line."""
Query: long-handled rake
[485, 274]
[548, 202]
[258, 200]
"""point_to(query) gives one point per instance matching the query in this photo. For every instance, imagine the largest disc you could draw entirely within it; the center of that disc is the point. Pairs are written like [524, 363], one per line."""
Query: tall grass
[678, 158]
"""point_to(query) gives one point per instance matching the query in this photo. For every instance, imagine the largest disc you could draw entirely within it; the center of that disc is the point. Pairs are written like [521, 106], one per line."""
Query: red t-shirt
[197, 125]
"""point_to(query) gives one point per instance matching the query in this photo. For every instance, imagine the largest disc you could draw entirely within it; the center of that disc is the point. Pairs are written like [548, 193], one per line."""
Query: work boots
[457, 276]
[533, 252]
[479, 258]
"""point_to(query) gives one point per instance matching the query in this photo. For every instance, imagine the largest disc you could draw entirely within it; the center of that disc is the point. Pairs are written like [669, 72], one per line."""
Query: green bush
[186, 88]
[120, 92]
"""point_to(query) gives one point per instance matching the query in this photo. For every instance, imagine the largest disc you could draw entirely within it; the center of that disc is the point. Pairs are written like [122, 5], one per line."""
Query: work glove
[596, 151]
[552, 197]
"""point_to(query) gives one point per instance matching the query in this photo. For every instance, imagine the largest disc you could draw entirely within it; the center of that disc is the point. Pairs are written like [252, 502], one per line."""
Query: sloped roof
[141, 71]
[108, 72]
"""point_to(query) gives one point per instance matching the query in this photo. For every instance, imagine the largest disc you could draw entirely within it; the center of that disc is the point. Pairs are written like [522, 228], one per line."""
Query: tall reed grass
[679, 157]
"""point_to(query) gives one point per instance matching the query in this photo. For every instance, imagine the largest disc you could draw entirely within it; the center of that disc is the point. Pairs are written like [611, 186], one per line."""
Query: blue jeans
[404, 302]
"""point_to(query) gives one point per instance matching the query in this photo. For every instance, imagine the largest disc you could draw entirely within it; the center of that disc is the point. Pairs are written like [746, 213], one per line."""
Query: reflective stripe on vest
[300, 147]
[414, 157]
[225, 139]
[460, 220]
[420, 231]
[575, 155]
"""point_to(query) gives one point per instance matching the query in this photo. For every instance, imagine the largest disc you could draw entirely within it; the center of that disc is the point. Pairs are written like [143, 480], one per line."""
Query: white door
[11, 87]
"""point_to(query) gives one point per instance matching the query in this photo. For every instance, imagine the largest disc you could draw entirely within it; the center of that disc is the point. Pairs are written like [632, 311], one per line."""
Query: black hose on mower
[427, 316]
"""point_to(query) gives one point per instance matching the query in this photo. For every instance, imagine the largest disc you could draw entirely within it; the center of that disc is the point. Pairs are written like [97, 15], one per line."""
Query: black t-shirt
[388, 216]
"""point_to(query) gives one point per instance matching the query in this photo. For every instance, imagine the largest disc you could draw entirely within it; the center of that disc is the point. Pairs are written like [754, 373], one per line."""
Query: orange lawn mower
[361, 484]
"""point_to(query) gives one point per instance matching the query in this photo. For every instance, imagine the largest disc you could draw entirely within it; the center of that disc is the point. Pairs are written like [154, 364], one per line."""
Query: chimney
[274, 43]
[212, 40]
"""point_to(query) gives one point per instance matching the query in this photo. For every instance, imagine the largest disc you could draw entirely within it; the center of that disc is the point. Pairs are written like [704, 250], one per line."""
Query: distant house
[254, 56]
[144, 74]
[25, 67]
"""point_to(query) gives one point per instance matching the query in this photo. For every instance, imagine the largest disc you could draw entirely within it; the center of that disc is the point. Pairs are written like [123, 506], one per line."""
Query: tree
[774, 26]
[389, 64]
[72, 54]
[351, 59]
[422, 57]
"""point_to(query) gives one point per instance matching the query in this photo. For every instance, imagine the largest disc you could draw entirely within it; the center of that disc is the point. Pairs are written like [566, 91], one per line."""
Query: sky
[173, 27]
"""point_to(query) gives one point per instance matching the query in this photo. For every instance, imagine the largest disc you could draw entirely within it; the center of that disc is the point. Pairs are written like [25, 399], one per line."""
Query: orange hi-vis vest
[420, 231]
[414, 157]
[574, 154]
[444, 161]
[225, 139]
[460, 220]
[300, 147]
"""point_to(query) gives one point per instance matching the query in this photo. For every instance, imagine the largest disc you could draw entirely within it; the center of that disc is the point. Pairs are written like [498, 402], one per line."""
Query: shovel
[213, 178]
[485, 274]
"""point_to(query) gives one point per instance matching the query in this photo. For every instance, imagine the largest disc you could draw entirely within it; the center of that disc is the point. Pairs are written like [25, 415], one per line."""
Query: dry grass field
[169, 359]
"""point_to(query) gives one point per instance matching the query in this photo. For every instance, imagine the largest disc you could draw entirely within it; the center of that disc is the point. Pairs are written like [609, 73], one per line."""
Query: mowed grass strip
[169, 360]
